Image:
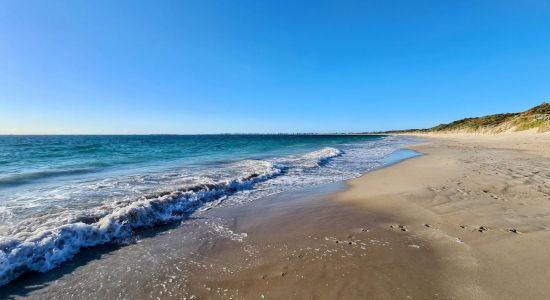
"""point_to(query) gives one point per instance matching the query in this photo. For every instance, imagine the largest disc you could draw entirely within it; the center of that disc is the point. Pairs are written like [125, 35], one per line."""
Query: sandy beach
[274, 150]
[469, 219]
[482, 203]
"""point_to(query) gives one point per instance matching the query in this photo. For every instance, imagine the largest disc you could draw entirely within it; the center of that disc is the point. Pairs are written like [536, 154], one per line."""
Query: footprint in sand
[463, 192]
[399, 226]
[433, 189]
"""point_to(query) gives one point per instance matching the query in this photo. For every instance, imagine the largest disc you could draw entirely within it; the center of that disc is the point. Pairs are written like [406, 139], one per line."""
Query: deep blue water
[28, 159]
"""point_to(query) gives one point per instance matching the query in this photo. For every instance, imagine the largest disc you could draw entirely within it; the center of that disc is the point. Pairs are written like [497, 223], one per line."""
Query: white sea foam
[48, 248]
[224, 231]
[321, 156]
[44, 240]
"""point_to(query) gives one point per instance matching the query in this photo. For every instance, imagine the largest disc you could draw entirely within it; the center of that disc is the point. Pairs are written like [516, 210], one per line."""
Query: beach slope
[482, 202]
[469, 219]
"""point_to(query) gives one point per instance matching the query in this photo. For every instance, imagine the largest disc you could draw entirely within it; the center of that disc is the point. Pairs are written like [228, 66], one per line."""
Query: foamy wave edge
[49, 248]
[323, 155]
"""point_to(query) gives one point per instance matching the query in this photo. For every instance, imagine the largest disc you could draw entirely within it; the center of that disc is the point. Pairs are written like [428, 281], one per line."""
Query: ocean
[60, 194]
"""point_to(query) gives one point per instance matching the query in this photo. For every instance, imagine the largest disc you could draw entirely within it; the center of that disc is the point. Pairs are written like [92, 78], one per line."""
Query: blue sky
[266, 66]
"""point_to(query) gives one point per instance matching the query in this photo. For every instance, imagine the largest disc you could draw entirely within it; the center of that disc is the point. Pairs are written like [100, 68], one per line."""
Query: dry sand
[468, 220]
[487, 202]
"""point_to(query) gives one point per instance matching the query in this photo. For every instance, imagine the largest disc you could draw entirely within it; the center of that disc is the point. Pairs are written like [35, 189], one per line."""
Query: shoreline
[35, 284]
[108, 204]
[486, 202]
[469, 219]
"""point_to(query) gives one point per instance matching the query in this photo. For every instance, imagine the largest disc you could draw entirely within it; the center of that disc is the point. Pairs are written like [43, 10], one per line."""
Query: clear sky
[266, 66]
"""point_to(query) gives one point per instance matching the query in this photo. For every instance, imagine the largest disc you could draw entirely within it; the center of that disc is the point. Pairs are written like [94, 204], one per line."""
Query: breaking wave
[47, 248]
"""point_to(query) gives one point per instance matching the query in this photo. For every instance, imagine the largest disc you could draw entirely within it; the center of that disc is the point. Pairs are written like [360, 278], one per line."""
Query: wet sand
[487, 202]
[298, 245]
[468, 220]
[306, 247]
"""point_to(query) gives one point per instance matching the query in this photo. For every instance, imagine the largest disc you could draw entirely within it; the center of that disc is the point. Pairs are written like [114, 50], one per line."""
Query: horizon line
[186, 134]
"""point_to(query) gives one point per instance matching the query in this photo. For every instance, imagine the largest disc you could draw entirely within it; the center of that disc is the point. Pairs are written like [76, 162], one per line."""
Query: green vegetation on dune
[544, 108]
[537, 118]
[475, 123]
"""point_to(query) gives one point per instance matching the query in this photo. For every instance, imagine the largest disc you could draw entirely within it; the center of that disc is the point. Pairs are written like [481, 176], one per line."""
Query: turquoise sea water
[61, 193]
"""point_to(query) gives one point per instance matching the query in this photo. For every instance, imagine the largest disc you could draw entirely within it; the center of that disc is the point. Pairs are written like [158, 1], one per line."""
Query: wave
[322, 156]
[315, 158]
[24, 178]
[47, 249]
[117, 221]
